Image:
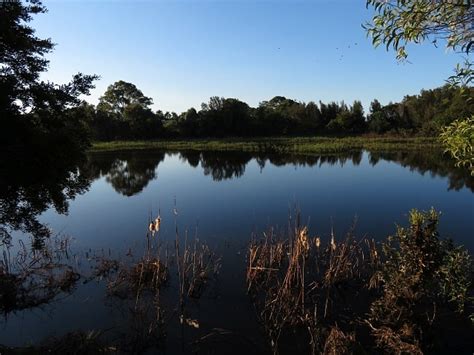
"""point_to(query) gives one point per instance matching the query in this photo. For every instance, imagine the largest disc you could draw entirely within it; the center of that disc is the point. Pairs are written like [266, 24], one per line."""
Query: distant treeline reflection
[129, 172]
[29, 189]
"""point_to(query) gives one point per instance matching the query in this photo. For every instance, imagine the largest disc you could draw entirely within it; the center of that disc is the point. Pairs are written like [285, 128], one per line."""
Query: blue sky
[182, 52]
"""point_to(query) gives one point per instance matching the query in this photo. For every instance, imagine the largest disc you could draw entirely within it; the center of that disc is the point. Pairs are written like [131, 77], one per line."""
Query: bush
[458, 138]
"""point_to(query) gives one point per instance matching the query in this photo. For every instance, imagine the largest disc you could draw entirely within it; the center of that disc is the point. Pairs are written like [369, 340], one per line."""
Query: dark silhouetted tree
[32, 110]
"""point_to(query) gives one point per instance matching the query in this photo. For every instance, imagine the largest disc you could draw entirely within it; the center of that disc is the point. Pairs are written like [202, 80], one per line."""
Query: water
[223, 198]
[231, 195]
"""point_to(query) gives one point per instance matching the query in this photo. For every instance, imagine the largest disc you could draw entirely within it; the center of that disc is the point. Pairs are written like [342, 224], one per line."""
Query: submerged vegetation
[311, 295]
[353, 296]
[33, 278]
[144, 288]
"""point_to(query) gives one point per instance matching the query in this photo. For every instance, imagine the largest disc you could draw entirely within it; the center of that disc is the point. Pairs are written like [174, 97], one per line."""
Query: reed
[31, 278]
[341, 295]
[145, 280]
[148, 274]
[197, 266]
[295, 282]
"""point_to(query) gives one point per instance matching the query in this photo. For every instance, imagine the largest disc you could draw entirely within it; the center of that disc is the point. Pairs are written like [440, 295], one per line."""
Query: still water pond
[231, 195]
[224, 198]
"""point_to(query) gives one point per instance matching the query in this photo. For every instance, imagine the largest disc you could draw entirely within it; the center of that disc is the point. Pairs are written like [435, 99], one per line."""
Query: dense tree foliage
[122, 116]
[458, 139]
[35, 112]
[124, 112]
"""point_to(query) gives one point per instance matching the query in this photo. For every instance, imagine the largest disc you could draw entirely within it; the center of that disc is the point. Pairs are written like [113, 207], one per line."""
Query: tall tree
[33, 110]
[124, 110]
[121, 94]
[190, 123]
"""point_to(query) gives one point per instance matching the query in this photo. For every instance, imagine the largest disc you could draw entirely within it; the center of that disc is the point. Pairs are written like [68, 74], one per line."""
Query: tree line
[124, 112]
[49, 118]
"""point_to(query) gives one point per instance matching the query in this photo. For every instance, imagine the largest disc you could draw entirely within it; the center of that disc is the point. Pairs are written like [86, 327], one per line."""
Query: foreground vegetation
[161, 287]
[356, 296]
[458, 139]
[279, 144]
[312, 295]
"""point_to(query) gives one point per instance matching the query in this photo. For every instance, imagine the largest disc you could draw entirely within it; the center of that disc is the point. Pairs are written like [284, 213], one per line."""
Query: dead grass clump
[301, 283]
[149, 274]
[145, 327]
[392, 342]
[145, 282]
[397, 299]
[104, 268]
[339, 343]
[264, 259]
[77, 343]
[33, 288]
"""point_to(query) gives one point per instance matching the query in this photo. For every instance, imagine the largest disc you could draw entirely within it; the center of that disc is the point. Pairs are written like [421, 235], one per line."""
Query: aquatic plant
[424, 280]
[196, 266]
[401, 293]
[32, 278]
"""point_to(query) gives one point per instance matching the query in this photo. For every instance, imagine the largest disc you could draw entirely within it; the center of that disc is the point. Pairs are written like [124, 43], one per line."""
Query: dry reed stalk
[289, 280]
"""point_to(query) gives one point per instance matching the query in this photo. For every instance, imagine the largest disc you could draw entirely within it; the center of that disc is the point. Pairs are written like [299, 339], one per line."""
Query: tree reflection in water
[130, 172]
[433, 163]
[29, 186]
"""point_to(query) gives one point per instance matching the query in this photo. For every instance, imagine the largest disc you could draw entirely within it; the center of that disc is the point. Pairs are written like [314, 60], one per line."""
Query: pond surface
[224, 198]
[231, 195]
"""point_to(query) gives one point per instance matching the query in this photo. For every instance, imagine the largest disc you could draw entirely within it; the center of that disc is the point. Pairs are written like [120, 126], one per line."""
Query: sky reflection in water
[230, 195]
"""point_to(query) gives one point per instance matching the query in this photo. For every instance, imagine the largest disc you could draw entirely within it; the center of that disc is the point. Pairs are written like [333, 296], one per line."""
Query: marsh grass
[306, 145]
[303, 283]
[197, 266]
[354, 295]
[147, 285]
[143, 289]
[32, 278]
[334, 295]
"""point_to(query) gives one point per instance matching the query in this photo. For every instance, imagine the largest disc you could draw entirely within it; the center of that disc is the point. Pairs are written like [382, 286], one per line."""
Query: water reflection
[429, 162]
[30, 186]
[130, 172]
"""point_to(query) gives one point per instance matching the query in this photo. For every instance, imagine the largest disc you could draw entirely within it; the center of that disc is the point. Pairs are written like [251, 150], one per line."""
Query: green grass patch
[278, 144]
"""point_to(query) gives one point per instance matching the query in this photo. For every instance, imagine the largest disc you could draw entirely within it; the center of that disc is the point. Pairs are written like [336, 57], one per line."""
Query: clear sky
[182, 52]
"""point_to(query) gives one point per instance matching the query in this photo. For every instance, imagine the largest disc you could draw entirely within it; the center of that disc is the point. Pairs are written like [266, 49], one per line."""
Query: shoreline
[303, 145]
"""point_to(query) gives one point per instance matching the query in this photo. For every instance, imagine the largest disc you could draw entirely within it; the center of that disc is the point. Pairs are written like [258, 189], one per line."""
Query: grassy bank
[278, 144]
